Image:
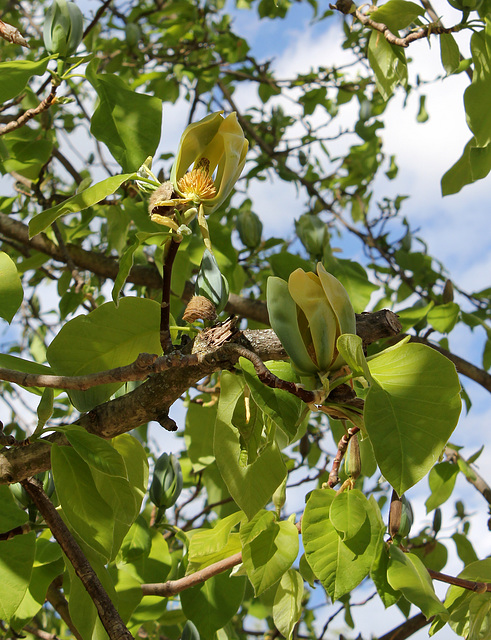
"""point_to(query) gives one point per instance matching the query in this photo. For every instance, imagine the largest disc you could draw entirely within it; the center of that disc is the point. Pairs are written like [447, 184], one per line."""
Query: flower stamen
[197, 185]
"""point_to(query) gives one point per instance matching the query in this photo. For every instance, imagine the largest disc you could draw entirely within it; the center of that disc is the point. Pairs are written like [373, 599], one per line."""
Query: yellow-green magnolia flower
[308, 314]
[216, 149]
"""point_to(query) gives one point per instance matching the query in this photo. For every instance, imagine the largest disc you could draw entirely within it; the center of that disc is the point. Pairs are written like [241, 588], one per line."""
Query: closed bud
[210, 283]
[313, 234]
[354, 459]
[250, 229]
[167, 482]
[447, 295]
[437, 521]
[63, 28]
[400, 517]
[279, 497]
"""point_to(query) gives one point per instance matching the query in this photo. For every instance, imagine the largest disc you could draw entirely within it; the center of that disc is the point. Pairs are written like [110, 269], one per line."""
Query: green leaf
[211, 605]
[477, 97]
[11, 291]
[397, 14]
[83, 507]
[16, 560]
[348, 512]
[48, 564]
[388, 64]
[136, 463]
[339, 565]
[15, 75]
[129, 123]
[282, 407]
[198, 435]
[460, 174]
[449, 52]
[287, 606]
[128, 590]
[137, 541]
[443, 317]
[107, 337]
[211, 545]
[78, 202]
[378, 574]
[442, 482]
[250, 485]
[95, 451]
[269, 549]
[465, 550]
[411, 411]
[406, 573]
[351, 348]
[11, 515]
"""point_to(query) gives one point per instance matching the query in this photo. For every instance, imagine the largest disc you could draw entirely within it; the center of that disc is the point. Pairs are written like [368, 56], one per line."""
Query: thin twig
[165, 336]
[477, 481]
[44, 105]
[108, 614]
[471, 585]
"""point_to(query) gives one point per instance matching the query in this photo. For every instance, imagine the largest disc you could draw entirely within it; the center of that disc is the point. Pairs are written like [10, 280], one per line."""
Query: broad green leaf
[16, 560]
[105, 338]
[200, 426]
[477, 96]
[95, 451]
[282, 407]
[11, 291]
[470, 611]
[11, 515]
[80, 201]
[465, 550]
[378, 574]
[137, 541]
[406, 573]
[460, 174]
[129, 123]
[449, 52]
[27, 151]
[136, 463]
[15, 75]
[212, 604]
[83, 507]
[287, 607]
[129, 591]
[397, 14]
[339, 565]
[269, 549]
[434, 556]
[388, 64]
[348, 512]
[250, 485]
[411, 411]
[211, 545]
[48, 564]
[412, 315]
[444, 317]
[442, 482]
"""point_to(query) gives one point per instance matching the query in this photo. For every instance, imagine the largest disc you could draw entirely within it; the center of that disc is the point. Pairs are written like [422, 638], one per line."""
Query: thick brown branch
[44, 105]
[110, 618]
[173, 587]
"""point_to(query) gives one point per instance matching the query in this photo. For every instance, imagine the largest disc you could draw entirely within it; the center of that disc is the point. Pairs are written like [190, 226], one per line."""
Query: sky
[452, 227]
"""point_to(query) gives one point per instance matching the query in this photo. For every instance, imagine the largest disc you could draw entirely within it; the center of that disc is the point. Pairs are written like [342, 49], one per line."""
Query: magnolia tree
[133, 280]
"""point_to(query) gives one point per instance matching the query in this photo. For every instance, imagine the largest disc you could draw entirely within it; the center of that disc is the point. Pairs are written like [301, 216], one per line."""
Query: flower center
[197, 185]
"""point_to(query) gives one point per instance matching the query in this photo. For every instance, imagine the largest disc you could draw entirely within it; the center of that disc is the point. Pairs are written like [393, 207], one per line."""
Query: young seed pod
[400, 517]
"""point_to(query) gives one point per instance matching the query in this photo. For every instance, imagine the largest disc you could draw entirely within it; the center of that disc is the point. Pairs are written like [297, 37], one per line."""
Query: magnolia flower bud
[313, 234]
[167, 482]
[308, 314]
[63, 28]
[210, 283]
[250, 229]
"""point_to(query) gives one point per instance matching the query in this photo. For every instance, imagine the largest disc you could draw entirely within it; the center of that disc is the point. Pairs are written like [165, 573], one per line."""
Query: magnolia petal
[339, 300]
[306, 290]
[194, 140]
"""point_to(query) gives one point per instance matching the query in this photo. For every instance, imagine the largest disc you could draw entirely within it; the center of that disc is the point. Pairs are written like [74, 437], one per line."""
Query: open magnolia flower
[216, 148]
[308, 314]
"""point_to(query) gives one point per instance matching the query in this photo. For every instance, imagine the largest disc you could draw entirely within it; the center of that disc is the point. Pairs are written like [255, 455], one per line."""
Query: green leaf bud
[63, 28]
[210, 283]
[167, 482]
[313, 234]
[250, 229]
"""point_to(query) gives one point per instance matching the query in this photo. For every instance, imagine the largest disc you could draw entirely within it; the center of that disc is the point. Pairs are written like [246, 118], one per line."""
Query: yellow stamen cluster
[197, 185]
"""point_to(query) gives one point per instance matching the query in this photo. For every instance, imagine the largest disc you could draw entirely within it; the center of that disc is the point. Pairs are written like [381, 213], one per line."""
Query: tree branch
[476, 480]
[173, 587]
[471, 585]
[44, 105]
[110, 618]
[407, 628]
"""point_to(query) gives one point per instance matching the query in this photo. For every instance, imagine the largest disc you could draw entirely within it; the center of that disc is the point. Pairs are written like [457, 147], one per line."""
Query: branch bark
[110, 618]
